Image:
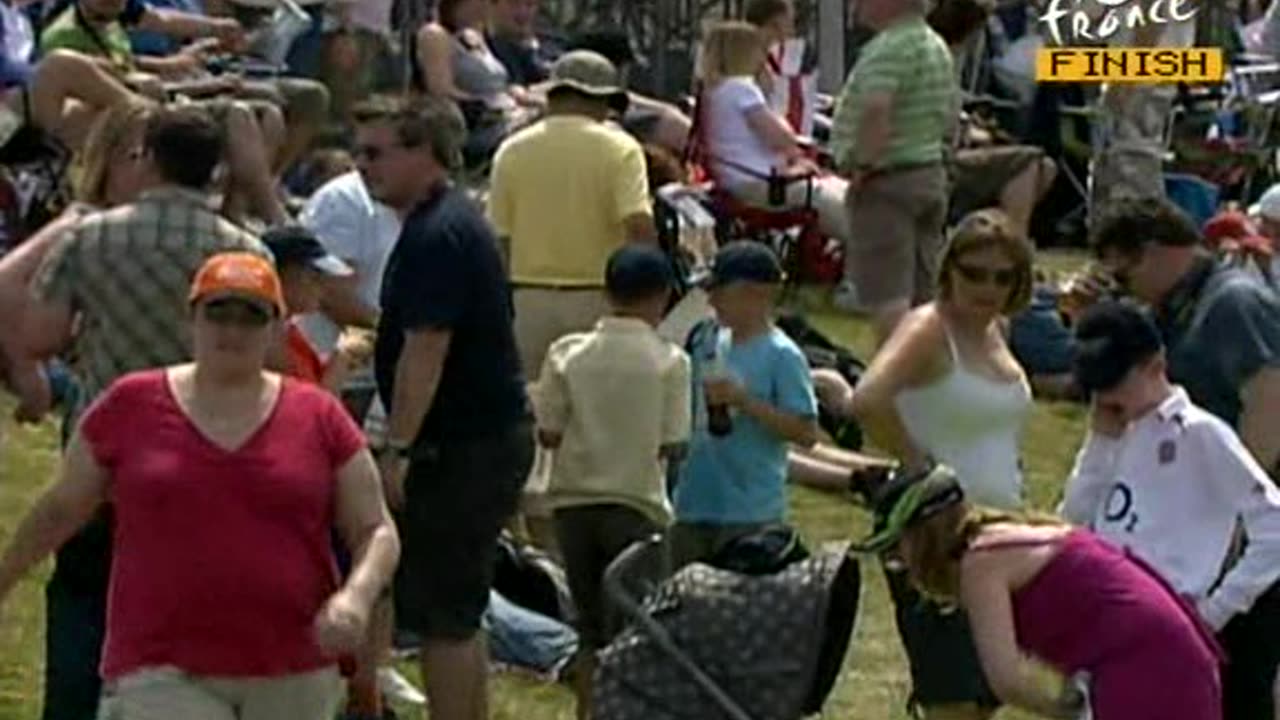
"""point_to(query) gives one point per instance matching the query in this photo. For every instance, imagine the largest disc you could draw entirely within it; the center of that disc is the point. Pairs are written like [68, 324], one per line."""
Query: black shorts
[457, 499]
[590, 537]
[944, 663]
[1252, 644]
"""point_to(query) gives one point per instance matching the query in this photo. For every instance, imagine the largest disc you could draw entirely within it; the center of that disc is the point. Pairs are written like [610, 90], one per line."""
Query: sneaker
[398, 689]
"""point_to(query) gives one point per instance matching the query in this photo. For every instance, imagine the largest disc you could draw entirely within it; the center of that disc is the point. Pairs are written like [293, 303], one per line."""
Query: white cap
[1268, 206]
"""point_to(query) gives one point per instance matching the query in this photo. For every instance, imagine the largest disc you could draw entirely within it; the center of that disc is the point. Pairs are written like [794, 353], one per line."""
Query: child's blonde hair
[730, 48]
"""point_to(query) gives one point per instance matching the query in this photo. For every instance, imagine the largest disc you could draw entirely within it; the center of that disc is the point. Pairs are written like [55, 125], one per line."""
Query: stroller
[711, 643]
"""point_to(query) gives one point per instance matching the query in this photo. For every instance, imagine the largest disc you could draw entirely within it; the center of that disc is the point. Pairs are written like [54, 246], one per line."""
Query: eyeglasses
[236, 312]
[986, 276]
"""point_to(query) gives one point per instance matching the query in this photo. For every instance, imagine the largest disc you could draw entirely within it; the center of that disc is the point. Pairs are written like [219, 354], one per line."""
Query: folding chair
[792, 232]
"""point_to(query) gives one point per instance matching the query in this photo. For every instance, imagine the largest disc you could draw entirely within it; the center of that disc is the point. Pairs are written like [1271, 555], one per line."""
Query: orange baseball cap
[240, 275]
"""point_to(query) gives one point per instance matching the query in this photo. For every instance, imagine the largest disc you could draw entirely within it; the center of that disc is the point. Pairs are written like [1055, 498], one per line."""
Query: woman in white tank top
[945, 388]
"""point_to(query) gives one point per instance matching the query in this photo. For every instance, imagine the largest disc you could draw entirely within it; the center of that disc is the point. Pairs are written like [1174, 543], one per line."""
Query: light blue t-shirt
[741, 477]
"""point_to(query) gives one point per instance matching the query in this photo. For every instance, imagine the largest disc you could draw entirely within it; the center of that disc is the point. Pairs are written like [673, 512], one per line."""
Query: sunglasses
[236, 312]
[986, 276]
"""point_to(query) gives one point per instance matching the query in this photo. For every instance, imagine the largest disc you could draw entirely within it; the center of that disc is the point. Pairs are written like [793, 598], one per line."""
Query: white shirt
[357, 229]
[730, 139]
[617, 395]
[1171, 489]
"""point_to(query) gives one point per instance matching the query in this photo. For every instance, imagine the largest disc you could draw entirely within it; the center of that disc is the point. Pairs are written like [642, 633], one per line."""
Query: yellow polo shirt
[560, 191]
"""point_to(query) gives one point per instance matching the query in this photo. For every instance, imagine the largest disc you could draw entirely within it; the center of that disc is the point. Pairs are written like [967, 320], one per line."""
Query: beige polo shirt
[617, 394]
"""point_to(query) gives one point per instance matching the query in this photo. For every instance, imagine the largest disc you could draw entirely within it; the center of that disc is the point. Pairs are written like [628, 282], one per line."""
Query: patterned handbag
[774, 643]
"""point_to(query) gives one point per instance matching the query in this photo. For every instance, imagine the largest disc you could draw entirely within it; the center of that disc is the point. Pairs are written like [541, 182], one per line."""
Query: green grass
[873, 685]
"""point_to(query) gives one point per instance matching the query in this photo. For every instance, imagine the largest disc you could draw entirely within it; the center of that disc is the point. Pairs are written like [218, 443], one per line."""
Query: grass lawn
[873, 685]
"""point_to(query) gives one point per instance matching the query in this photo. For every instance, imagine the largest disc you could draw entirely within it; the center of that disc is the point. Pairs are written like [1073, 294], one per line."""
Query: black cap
[1112, 338]
[744, 261]
[296, 245]
[637, 272]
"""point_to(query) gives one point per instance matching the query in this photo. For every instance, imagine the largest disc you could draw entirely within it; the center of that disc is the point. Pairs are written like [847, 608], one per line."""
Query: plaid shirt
[126, 272]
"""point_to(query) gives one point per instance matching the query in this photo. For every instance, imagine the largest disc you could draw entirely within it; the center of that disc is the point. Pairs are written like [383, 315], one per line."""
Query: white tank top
[973, 424]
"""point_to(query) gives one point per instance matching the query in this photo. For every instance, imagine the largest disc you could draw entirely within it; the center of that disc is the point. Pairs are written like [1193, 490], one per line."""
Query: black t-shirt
[446, 273]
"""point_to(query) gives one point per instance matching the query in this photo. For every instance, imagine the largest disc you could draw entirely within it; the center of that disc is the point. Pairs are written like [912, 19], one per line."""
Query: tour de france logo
[1080, 34]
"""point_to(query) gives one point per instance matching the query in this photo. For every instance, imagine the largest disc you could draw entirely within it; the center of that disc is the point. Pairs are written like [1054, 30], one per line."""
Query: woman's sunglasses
[986, 276]
[236, 312]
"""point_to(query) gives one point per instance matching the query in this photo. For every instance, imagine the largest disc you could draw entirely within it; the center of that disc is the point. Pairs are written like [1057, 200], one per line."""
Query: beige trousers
[167, 693]
[544, 315]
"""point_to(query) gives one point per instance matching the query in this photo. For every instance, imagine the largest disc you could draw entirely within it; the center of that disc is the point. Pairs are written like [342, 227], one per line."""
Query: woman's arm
[773, 130]
[906, 360]
[57, 515]
[435, 61]
[985, 594]
[370, 536]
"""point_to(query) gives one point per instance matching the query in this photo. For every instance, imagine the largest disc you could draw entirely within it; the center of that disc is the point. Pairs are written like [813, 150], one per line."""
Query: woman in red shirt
[226, 481]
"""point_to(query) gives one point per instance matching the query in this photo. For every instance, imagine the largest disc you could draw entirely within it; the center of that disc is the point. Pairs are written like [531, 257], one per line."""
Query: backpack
[822, 352]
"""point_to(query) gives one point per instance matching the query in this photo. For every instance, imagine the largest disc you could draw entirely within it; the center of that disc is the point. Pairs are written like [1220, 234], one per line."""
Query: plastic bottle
[719, 419]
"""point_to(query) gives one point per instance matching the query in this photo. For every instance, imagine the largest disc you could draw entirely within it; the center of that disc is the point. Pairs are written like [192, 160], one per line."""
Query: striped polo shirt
[911, 62]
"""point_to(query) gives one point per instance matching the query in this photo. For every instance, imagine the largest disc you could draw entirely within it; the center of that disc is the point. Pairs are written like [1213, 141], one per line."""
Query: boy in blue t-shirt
[734, 484]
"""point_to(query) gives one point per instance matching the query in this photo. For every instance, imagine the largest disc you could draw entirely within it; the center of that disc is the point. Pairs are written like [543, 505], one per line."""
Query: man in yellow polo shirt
[565, 193]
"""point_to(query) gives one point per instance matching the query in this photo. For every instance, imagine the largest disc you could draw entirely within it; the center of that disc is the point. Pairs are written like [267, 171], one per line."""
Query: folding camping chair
[792, 232]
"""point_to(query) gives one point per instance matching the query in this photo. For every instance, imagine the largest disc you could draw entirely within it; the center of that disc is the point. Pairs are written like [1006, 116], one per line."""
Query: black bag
[529, 578]
[822, 352]
[765, 552]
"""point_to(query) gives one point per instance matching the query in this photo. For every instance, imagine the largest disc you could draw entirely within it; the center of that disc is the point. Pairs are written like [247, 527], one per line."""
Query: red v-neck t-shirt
[222, 558]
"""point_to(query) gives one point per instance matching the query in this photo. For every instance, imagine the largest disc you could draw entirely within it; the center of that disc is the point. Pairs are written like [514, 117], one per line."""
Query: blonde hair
[939, 543]
[984, 229]
[110, 129]
[730, 48]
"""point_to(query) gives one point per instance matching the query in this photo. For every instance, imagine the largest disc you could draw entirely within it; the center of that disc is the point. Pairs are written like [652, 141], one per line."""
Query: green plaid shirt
[911, 62]
[126, 273]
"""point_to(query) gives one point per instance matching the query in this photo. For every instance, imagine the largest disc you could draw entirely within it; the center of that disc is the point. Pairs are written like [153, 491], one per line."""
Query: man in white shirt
[362, 232]
[1171, 482]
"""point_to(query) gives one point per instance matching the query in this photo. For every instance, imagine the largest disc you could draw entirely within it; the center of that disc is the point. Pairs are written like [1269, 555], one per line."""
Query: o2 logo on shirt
[1119, 508]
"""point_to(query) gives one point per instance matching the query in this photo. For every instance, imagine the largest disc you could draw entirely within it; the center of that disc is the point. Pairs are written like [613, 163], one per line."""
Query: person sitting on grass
[748, 372]
[614, 405]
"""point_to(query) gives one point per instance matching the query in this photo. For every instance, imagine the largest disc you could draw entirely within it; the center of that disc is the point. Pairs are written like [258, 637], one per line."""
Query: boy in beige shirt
[614, 404]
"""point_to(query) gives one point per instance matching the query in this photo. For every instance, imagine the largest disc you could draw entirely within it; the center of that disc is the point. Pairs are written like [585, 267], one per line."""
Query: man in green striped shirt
[889, 133]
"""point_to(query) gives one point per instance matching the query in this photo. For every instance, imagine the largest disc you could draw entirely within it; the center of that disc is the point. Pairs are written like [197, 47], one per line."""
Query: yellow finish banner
[1136, 65]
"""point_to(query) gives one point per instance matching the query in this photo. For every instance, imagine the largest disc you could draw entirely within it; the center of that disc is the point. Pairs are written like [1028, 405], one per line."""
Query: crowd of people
[305, 382]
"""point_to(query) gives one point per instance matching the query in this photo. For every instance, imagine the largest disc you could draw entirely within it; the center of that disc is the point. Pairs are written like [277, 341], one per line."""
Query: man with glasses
[1220, 324]
[125, 273]
[459, 436]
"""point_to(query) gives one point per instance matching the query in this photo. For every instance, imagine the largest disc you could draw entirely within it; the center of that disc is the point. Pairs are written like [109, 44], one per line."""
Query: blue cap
[744, 261]
[637, 272]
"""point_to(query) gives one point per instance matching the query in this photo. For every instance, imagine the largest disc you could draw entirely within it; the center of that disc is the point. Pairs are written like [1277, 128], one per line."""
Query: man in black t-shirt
[459, 437]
